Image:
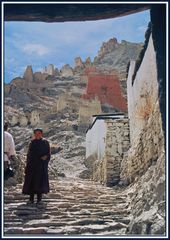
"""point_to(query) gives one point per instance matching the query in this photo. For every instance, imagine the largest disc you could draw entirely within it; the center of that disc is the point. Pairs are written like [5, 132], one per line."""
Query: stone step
[88, 230]
[71, 208]
[21, 230]
[57, 209]
[13, 224]
[13, 230]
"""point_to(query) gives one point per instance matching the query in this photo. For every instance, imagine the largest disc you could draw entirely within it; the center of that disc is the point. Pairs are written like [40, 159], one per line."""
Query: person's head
[38, 133]
[6, 126]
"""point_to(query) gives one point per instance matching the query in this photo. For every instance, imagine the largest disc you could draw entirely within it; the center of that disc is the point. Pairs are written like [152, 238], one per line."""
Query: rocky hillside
[63, 101]
[115, 56]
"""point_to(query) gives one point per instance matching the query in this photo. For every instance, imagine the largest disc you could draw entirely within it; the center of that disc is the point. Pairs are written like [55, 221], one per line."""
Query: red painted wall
[107, 88]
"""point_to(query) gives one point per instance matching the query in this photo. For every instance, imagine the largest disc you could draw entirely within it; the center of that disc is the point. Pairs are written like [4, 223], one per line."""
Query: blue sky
[39, 44]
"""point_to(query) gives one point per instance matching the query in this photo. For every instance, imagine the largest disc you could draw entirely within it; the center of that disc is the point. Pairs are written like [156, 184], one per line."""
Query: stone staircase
[73, 207]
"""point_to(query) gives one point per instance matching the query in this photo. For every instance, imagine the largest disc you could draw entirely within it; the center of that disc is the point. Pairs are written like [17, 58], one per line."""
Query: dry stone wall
[86, 110]
[68, 100]
[114, 145]
[117, 144]
[24, 119]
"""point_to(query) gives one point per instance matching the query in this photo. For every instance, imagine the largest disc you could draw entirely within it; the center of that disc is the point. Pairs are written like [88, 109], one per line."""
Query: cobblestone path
[73, 207]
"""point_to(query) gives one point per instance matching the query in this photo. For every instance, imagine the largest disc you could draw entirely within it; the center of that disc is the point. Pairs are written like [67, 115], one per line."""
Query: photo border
[2, 118]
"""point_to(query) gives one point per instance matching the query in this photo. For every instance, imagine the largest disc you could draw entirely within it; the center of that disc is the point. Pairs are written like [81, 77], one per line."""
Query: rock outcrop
[78, 62]
[39, 77]
[50, 70]
[28, 75]
[88, 62]
[107, 47]
[66, 71]
[116, 56]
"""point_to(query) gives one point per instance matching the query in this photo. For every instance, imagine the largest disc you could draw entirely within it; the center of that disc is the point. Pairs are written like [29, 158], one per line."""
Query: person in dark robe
[36, 171]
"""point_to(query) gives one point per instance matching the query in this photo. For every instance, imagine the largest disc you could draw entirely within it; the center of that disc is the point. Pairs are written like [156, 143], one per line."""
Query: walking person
[36, 171]
[9, 148]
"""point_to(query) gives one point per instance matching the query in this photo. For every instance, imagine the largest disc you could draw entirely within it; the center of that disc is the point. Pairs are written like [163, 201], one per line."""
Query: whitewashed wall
[95, 139]
[143, 94]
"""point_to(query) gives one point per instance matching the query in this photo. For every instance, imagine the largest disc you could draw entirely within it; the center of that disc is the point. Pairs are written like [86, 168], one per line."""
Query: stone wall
[106, 143]
[95, 139]
[67, 100]
[24, 119]
[145, 120]
[144, 165]
[146, 148]
[117, 145]
[86, 110]
[35, 118]
[31, 84]
[39, 77]
[143, 93]
[107, 88]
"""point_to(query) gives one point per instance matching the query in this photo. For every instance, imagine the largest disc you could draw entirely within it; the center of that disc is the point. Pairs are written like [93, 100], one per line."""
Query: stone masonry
[117, 144]
[79, 208]
[144, 166]
[106, 169]
[146, 134]
[147, 148]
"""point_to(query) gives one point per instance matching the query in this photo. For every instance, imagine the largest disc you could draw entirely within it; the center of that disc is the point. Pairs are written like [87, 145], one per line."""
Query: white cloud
[60, 43]
[142, 29]
[34, 48]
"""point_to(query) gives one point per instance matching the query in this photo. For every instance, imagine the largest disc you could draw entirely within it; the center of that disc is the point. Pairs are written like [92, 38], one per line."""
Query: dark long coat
[36, 171]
